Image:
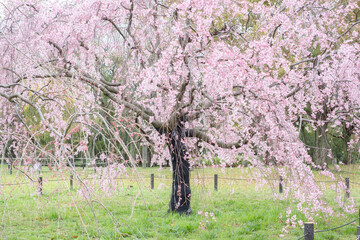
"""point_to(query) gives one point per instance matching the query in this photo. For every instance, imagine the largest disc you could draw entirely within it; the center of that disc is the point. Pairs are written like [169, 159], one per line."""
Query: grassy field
[136, 211]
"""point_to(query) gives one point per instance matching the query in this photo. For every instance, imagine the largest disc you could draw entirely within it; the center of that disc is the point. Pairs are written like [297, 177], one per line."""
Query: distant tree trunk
[132, 150]
[145, 156]
[346, 151]
[322, 147]
[347, 132]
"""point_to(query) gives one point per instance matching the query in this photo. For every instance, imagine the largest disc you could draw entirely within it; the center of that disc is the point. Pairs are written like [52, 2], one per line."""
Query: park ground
[238, 210]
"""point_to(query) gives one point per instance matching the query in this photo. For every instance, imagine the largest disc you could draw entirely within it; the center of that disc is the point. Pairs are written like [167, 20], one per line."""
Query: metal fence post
[40, 187]
[309, 231]
[152, 181]
[215, 182]
[347, 183]
[71, 181]
[280, 184]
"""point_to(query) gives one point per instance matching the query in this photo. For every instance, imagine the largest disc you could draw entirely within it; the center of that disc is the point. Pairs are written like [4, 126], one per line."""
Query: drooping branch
[18, 96]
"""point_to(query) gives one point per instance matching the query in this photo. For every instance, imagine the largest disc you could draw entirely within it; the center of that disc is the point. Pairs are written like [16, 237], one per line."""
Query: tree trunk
[181, 193]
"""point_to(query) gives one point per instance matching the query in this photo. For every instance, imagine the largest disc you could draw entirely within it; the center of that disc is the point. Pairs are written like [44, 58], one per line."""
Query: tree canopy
[247, 77]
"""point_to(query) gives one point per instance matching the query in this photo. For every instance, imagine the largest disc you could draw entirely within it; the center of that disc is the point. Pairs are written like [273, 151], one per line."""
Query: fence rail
[309, 232]
[46, 162]
[152, 177]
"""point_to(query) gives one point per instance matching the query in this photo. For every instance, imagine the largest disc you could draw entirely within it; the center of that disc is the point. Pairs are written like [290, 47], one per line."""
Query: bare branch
[110, 83]
[115, 26]
[57, 47]
[204, 137]
[344, 33]
[183, 88]
[298, 88]
[302, 61]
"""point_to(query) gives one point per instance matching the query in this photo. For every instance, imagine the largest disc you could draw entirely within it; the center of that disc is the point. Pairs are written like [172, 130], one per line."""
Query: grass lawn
[137, 211]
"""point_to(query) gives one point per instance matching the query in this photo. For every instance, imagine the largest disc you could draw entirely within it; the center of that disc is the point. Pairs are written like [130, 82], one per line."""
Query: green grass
[142, 213]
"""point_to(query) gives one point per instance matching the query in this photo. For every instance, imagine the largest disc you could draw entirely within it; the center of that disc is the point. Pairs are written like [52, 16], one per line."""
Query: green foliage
[315, 51]
[336, 140]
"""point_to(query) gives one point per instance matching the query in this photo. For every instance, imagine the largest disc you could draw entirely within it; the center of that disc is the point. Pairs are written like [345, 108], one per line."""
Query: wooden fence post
[280, 184]
[309, 231]
[71, 181]
[152, 181]
[215, 182]
[347, 183]
[40, 187]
